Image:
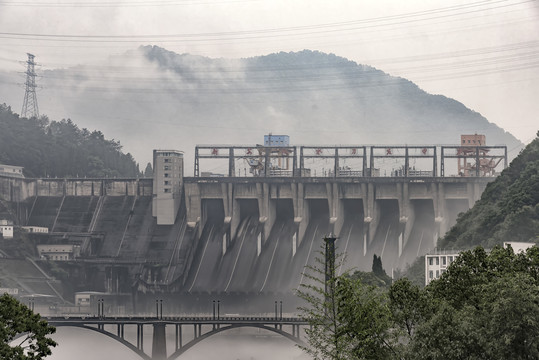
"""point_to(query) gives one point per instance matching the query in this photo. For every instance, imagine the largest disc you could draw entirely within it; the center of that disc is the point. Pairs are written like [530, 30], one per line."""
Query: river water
[80, 344]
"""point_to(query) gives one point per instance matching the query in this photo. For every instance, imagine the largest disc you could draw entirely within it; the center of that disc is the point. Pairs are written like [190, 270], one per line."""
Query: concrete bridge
[202, 328]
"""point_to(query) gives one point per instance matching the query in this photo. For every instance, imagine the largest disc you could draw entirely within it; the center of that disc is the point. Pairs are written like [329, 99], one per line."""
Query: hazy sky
[482, 53]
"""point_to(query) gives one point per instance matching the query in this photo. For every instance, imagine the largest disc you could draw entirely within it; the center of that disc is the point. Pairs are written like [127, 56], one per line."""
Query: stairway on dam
[75, 214]
[44, 211]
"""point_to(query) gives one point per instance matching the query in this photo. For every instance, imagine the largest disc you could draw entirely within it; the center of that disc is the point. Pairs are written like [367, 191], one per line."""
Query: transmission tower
[29, 105]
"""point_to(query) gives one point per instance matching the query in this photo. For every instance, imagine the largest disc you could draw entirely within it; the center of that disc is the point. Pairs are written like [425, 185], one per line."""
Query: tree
[365, 320]
[377, 267]
[148, 172]
[18, 322]
[60, 148]
[325, 336]
[377, 276]
[348, 318]
[408, 305]
[485, 306]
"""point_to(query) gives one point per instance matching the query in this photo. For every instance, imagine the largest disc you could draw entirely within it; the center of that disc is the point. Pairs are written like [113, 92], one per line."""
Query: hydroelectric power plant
[243, 237]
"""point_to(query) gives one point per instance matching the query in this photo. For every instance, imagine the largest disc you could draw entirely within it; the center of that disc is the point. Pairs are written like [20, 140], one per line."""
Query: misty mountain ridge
[154, 98]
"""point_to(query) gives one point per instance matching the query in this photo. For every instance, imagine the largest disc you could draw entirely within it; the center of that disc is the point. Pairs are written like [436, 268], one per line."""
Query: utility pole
[330, 265]
[29, 105]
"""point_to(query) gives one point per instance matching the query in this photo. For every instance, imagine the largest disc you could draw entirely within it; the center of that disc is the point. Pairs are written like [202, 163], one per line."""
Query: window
[167, 167]
[166, 174]
[430, 274]
[430, 261]
[437, 274]
[450, 260]
[443, 260]
[167, 191]
[166, 160]
[437, 260]
[167, 182]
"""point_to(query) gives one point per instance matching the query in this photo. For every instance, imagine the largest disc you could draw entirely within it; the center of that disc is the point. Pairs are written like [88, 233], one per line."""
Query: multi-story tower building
[167, 185]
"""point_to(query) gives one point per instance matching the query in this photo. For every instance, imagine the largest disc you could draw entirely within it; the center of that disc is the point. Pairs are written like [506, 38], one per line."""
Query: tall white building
[167, 185]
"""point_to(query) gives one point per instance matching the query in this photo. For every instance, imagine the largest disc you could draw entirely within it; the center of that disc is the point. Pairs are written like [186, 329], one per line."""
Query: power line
[304, 73]
[301, 85]
[281, 46]
[276, 32]
[508, 53]
[153, 3]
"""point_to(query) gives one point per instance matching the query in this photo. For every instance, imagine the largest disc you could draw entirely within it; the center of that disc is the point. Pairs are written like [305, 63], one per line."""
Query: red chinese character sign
[388, 151]
[215, 152]
[318, 151]
[354, 151]
[249, 151]
[424, 151]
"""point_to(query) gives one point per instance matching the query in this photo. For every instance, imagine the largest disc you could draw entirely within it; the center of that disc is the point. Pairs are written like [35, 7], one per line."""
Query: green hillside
[60, 149]
[508, 209]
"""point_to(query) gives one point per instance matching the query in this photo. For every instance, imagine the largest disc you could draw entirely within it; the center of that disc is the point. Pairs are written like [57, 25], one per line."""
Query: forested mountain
[60, 149]
[508, 209]
[151, 97]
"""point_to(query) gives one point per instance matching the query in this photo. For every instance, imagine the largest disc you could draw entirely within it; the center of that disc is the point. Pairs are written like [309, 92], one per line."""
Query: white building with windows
[437, 264]
[36, 229]
[6, 229]
[58, 252]
[167, 185]
[11, 171]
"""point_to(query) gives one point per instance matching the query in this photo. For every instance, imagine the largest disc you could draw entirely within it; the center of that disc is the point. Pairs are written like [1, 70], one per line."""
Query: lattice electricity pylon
[29, 105]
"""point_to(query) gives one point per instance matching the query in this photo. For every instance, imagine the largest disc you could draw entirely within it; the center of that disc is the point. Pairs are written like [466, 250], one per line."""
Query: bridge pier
[178, 337]
[140, 337]
[159, 344]
[120, 330]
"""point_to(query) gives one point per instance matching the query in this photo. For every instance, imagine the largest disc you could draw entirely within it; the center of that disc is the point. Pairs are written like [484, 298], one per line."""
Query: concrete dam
[233, 236]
